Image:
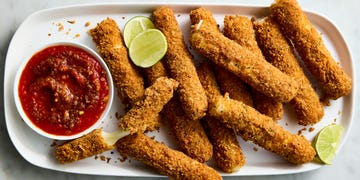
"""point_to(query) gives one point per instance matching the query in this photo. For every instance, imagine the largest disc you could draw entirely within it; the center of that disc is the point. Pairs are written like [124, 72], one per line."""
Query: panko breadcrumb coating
[279, 53]
[227, 152]
[252, 69]
[126, 77]
[190, 135]
[240, 29]
[311, 48]
[262, 130]
[144, 112]
[172, 163]
[180, 64]
[83, 147]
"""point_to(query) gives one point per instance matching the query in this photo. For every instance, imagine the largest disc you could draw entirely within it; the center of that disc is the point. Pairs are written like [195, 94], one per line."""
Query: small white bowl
[73, 136]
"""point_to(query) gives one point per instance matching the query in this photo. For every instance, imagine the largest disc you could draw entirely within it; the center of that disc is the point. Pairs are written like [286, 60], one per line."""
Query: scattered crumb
[60, 26]
[71, 21]
[255, 149]
[77, 35]
[112, 152]
[123, 158]
[87, 24]
[286, 124]
[301, 130]
[178, 15]
[102, 157]
[49, 34]
[108, 159]
[339, 112]
[311, 129]
[54, 143]
[123, 17]
[96, 157]
[335, 120]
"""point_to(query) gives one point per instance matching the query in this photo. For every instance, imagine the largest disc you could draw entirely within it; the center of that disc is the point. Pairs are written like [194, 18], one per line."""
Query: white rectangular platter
[72, 23]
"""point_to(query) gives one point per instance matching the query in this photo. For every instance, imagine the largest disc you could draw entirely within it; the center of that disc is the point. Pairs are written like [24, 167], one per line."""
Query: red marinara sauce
[63, 90]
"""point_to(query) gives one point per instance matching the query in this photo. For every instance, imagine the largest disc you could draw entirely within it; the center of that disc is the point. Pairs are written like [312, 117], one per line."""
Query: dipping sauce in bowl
[63, 90]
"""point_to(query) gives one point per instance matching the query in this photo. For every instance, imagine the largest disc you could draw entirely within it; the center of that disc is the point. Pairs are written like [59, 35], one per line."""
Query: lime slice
[147, 48]
[135, 26]
[327, 141]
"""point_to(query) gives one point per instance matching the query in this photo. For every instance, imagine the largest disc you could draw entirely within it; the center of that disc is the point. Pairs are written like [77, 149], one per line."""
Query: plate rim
[152, 4]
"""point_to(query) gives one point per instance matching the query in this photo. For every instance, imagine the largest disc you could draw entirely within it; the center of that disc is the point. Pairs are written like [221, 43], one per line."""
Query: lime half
[327, 142]
[135, 26]
[148, 47]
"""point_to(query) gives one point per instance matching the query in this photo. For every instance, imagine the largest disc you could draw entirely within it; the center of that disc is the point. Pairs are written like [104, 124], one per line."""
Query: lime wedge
[327, 141]
[135, 26]
[148, 47]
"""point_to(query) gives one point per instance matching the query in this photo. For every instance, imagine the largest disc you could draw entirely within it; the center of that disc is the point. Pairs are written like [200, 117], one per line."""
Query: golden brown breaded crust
[252, 69]
[127, 79]
[311, 48]
[180, 64]
[190, 135]
[154, 72]
[172, 163]
[240, 29]
[267, 106]
[227, 152]
[229, 83]
[201, 13]
[142, 115]
[208, 80]
[83, 147]
[279, 52]
[262, 130]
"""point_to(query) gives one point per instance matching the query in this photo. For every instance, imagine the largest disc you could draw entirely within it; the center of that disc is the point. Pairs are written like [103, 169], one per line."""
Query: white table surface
[344, 14]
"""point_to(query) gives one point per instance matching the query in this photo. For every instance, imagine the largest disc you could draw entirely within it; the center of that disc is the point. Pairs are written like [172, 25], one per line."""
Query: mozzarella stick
[311, 48]
[262, 130]
[144, 113]
[172, 163]
[190, 135]
[95, 142]
[279, 53]
[252, 69]
[180, 64]
[127, 79]
[227, 151]
[229, 83]
[240, 29]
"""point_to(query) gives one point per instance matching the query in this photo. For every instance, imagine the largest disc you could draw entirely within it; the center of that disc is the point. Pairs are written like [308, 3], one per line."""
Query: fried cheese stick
[229, 83]
[227, 151]
[279, 52]
[172, 163]
[252, 69]
[110, 45]
[311, 48]
[240, 29]
[179, 62]
[95, 142]
[190, 135]
[262, 130]
[144, 112]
